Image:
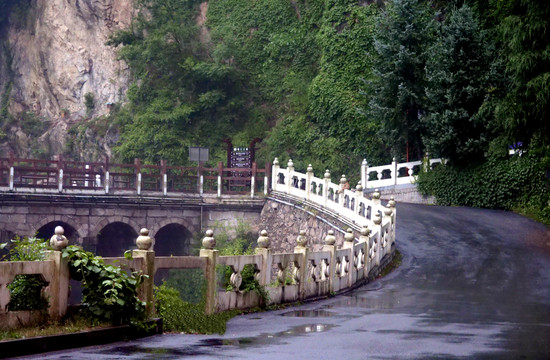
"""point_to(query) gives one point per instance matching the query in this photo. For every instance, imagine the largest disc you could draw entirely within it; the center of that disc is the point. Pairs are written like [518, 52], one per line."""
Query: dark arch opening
[115, 238]
[47, 231]
[173, 239]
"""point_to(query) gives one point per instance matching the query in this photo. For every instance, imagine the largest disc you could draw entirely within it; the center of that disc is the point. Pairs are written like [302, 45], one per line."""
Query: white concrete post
[302, 249]
[378, 232]
[60, 181]
[290, 173]
[275, 174]
[358, 196]
[265, 185]
[12, 175]
[252, 185]
[329, 246]
[219, 186]
[309, 176]
[106, 182]
[364, 173]
[211, 256]
[394, 170]
[376, 200]
[165, 184]
[201, 184]
[139, 183]
[264, 250]
[325, 187]
[364, 237]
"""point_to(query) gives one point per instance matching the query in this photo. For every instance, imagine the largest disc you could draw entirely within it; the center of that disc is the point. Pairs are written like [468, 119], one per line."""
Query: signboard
[198, 154]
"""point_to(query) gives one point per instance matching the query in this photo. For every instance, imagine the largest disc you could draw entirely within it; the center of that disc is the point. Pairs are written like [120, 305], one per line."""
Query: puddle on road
[308, 313]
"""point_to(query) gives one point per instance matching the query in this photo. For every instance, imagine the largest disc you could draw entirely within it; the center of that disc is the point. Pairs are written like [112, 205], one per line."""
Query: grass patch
[394, 264]
[72, 323]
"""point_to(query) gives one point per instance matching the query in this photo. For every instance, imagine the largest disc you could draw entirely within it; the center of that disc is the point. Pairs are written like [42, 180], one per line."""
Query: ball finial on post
[59, 241]
[349, 237]
[330, 239]
[144, 241]
[208, 241]
[263, 240]
[301, 240]
[327, 174]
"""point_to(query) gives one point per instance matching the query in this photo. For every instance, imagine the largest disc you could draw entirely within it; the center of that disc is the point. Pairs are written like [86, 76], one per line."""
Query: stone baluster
[394, 171]
[341, 187]
[376, 199]
[59, 284]
[300, 267]
[309, 177]
[137, 166]
[267, 261]
[275, 174]
[364, 238]
[392, 204]
[358, 198]
[290, 174]
[326, 183]
[145, 251]
[349, 240]
[377, 229]
[211, 255]
[364, 173]
[330, 241]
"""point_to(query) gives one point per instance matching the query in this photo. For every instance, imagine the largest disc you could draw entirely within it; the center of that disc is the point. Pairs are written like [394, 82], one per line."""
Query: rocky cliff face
[58, 55]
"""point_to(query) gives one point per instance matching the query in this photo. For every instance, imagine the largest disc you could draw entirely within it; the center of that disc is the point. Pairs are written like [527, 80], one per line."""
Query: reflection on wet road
[473, 284]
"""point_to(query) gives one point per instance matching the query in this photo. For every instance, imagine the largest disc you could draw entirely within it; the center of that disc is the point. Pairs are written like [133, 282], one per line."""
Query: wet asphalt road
[473, 284]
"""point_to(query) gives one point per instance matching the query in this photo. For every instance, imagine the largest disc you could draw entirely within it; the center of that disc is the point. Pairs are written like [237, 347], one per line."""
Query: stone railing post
[264, 250]
[391, 205]
[106, 180]
[341, 187]
[301, 248]
[201, 179]
[253, 180]
[144, 251]
[364, 173]
[275, 174]
[164, 177]
[394, 171]
[290, 174]
[358, 197]
[60, 173]
[59, 285]
[309, 176]
[376, 199]
[348, 244]
[377, 220]
[12, 170]
[220, 177]
[329, 246]
[137, 167]
[364, 237]
[211, 255]
[326, 183]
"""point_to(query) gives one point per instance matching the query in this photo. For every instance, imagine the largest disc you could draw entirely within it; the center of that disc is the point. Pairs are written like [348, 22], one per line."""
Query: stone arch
[73, 233]
[173, 239]
[172, 220]
[96, 228]
[115, 238]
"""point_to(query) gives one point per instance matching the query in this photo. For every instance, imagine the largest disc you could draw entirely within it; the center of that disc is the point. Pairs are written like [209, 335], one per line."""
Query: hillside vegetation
[334, 81]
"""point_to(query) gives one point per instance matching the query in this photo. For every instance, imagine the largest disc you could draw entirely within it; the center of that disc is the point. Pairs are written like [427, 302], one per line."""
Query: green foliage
[404, 31]
[189, 283]
[496, 184]
[26, 290]
[89, 102]
[109, 293]
[32, 124]
[459, 83]
[178, 315]
[524, 32]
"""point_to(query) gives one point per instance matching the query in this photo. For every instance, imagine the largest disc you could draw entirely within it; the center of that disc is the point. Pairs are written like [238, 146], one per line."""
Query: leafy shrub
[178, 315]
[495, 184]
[109, 293]
[26, 290]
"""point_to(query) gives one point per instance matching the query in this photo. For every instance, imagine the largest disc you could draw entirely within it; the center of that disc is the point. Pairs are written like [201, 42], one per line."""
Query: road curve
[474, 284]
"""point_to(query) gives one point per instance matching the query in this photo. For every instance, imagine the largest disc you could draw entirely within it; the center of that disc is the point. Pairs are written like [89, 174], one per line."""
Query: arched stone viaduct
[89, 220]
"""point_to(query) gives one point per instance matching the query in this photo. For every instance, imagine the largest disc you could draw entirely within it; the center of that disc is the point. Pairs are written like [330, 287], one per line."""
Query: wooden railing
[18, 174]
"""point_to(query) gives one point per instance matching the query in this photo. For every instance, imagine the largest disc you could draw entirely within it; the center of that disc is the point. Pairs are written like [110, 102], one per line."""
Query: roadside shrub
[506, 184]
[26, 290]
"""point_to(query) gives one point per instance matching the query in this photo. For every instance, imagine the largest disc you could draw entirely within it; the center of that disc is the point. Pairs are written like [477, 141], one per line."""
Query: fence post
[60, 173]
[394, 170]
[309, 176]
[358, 196]
[59, 285]
[329, 246]
[137, 166]
[201, 179]
[290, 173]
[253, 180]
[145, 252]
[364, 237]
[326, 179]
[12, 170]
[267, 176]
[391, 205]
[275, 174]
[220, 177]
[106, 180]
[364, 173]
[264, 250]
[341, 187]
[211, 255]
[426, 162]
[377, 233]
[348, 244]
[301, 267]
[164, 177]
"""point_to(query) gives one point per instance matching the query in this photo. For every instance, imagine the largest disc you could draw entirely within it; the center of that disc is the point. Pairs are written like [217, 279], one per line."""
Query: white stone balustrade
[394, 173]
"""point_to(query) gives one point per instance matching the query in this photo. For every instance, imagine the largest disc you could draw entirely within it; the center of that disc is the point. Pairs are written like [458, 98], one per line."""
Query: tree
[404, 31]
[458, 78]
[525, 34]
